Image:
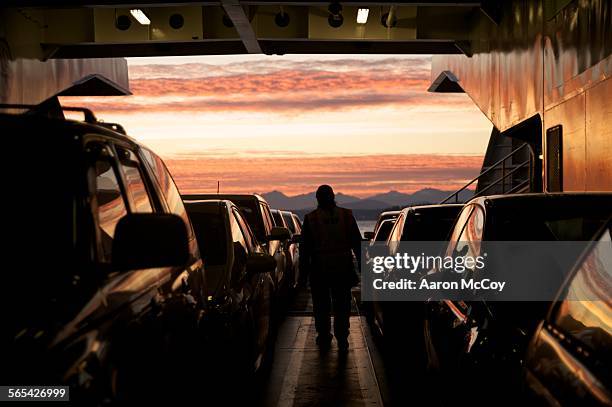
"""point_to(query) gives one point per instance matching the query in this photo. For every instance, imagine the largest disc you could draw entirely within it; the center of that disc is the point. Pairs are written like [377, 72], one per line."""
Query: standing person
[330, 236]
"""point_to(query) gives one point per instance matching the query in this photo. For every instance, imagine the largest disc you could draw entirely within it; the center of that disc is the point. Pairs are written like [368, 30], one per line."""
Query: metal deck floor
[302, 375]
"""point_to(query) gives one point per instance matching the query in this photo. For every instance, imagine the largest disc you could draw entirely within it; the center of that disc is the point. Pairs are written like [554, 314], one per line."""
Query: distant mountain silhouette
[277, 199]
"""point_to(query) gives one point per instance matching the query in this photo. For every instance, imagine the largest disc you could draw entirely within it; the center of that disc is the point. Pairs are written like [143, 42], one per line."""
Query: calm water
[366, 225]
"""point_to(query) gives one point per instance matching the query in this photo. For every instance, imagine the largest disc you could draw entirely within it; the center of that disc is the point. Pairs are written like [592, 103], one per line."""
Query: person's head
[326, 197]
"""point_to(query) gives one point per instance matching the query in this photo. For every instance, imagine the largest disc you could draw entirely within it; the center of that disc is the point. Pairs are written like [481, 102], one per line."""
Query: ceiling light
[362, 15]
[140, 16]
[123, 22]
[176, 21]
[335, 18]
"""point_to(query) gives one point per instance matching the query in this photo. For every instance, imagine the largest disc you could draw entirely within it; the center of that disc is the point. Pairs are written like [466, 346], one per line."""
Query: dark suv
[389, 215]
[240, 286]
[284, 219]
[107, 292]
[484, 341]
[259, 216]
[427, 223]
[569, 358]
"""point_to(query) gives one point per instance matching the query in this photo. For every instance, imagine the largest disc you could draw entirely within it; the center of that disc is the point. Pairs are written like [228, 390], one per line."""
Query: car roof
[229, 197]
[539, 200]
[389, 213]
[207, 205]
[71, 128]
[433, 209]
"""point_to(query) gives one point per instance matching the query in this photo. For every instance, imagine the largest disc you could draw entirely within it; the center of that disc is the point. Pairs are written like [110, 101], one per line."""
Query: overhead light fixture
[140, 16]
[176, 21]
[282, 19]
[362, 15]
[123, 22]
[335, 18]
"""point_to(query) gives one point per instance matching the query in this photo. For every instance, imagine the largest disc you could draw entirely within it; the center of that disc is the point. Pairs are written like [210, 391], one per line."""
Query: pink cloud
[358, 175]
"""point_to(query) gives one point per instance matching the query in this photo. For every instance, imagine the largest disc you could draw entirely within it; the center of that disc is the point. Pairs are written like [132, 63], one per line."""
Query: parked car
[259, 217]
[297, 222]
[388, 215]
[109, 291]
[289, 248]
[295, 227]
[240, 284]
[382, 233]
[482, 341]
[397, 321]
[569, 359]
[278, 219]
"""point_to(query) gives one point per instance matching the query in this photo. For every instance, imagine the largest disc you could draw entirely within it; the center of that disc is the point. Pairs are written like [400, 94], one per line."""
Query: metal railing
[506, 170]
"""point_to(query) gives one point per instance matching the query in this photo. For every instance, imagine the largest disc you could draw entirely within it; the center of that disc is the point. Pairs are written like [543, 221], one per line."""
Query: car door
[448, 326]
[377, 248]
[257, 286]
[121, 296]
[119, 188]
[569, 360]
[274, 247]
[190, 279]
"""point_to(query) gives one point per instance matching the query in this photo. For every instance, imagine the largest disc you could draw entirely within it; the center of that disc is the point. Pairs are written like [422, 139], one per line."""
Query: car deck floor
[302, 375]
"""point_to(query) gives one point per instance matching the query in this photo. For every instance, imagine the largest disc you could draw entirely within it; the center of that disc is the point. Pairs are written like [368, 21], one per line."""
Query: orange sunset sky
[363, 123]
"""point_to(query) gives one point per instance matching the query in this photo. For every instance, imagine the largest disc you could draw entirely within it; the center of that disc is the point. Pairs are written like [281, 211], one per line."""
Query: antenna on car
[218, 186]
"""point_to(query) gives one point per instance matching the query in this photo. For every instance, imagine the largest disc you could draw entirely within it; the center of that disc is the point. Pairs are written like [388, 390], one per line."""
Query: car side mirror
[260, 263]
[149, 240]
[279, 233]
[368, 235]
[296, 238]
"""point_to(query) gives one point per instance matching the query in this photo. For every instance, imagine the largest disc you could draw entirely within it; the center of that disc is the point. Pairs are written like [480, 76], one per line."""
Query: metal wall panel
[570, 115]
[555, 63]
[599, 137]
[31, 81]
[577, 48]
[504, 75]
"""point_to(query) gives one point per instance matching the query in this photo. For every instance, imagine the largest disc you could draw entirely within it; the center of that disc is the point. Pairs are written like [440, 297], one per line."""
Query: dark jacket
[330, 237]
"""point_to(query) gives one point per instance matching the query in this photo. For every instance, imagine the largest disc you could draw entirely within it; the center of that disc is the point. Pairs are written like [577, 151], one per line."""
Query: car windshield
[384, 230]
[278, 219]
[211, 235]
[250, 210]
[430, 227]
[289, 221]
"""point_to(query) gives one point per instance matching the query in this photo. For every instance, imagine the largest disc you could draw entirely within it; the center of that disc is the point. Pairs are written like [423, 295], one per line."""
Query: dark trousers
[328, 295]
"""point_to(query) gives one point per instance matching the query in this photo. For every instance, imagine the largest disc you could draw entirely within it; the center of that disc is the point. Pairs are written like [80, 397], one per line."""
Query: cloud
[357, 175]
[277, 83]
[279, 86]
[283, 103]
[416, 65]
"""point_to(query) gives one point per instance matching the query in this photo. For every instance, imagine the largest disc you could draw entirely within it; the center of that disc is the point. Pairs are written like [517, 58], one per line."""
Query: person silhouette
[330, 238]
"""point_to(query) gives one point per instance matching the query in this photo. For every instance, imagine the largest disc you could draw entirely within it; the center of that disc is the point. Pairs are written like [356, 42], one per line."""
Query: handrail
[519, 186]
[503, 178]
[491, 168]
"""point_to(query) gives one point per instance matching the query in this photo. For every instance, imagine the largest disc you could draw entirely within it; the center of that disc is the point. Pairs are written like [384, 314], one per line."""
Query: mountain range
[391, 199]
